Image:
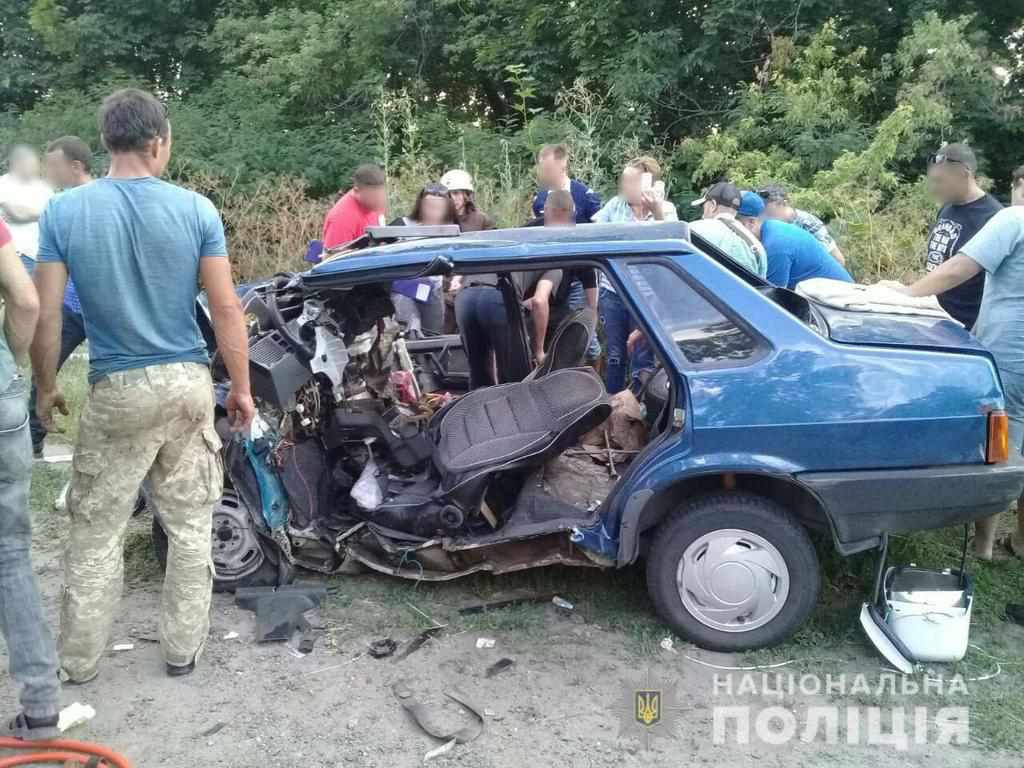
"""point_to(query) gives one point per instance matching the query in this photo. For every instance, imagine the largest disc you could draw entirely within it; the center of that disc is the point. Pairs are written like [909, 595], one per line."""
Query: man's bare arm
[21, 302]
[540, 312]
[837, 254]
[20, 213]
[949, 274]
[232, 338]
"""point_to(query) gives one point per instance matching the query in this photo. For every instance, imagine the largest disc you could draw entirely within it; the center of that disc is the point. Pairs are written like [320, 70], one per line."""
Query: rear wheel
[241, 557]
[733, 572]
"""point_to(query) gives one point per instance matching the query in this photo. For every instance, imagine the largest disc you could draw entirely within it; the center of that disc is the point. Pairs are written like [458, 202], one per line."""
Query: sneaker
[176, 671]
[32, 728]
[1015, 612]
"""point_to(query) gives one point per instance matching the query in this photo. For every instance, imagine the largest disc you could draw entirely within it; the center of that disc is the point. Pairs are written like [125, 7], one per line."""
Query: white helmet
[457, 181]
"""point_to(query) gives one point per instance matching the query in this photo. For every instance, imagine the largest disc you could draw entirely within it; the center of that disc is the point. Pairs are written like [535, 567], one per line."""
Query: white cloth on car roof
[868, 298]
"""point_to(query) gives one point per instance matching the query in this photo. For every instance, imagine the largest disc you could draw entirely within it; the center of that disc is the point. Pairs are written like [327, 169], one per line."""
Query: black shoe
[1015, 612]
[37, 450]
[32, 729]
[175, 671]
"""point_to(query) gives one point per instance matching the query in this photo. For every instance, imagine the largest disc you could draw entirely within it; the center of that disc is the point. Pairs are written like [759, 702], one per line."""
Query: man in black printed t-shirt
[966, 209]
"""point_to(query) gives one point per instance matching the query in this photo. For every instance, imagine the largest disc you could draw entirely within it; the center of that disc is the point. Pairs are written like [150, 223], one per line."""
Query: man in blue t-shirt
[793, 254]
[553, 173]
[138, 249]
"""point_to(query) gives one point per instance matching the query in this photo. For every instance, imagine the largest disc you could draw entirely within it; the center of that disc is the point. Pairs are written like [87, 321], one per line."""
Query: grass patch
[379, 605]
[140, 563]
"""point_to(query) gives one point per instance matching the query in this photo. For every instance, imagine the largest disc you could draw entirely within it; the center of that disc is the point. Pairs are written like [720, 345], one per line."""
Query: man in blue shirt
[138, 249]
[68, 163]
[553, 173]
[793, 254]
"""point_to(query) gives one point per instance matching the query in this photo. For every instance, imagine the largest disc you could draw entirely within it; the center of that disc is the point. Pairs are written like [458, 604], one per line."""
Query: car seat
[491, 430]
[568, 347]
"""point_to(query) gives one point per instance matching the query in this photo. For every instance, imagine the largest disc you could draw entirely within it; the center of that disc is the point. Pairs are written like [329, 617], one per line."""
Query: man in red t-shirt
[361, 207]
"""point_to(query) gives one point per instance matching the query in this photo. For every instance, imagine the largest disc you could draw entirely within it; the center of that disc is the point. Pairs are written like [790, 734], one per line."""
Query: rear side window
[704, 335]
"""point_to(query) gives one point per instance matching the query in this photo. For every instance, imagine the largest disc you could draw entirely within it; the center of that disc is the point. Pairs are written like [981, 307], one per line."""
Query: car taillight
[997, 449]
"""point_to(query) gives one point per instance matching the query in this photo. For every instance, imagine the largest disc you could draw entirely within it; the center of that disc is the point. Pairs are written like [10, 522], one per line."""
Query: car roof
[526, 243]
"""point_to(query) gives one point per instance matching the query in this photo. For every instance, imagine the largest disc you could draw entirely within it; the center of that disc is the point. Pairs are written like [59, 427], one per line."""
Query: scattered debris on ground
[74, 715]
[500, 666]
[281, 611]
[505, 600]
[381, 649]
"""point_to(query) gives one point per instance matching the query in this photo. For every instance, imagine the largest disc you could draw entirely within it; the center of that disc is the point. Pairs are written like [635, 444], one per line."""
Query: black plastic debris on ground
[500, 666]
[416, 643]
[381, 649]
[505, 600]
[279, 610]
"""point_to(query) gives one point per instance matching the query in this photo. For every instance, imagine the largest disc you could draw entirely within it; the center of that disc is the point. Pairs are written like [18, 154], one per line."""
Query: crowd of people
[759, 230]
[119, 260]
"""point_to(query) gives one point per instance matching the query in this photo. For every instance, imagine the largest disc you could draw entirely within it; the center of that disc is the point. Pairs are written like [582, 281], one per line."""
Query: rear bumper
[864, 505]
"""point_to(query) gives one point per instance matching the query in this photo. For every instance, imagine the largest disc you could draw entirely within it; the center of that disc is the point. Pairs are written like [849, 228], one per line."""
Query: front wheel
[733, 572]
[241, 556]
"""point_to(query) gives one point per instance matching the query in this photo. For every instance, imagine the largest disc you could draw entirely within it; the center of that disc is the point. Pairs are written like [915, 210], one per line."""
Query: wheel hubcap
[732, 580]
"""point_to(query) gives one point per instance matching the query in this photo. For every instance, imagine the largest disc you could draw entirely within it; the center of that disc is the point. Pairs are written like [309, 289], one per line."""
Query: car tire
[272, 572]
[733, 572]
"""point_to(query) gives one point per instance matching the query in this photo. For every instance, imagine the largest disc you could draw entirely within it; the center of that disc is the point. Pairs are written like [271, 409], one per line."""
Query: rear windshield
[792, 302]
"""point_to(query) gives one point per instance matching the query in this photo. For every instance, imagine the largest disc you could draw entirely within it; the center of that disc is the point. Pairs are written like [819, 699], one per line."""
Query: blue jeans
[483, 324]
[72, 334]
[618, 324]
[30, 648]
[30, 264]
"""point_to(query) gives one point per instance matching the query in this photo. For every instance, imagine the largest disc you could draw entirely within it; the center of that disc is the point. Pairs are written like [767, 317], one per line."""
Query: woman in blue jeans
[618, 325]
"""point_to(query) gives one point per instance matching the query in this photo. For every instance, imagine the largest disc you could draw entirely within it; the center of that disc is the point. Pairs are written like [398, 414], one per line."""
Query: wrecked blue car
[767, 416]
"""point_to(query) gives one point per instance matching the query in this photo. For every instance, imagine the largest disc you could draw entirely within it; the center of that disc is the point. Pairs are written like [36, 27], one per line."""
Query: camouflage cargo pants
[155, 422]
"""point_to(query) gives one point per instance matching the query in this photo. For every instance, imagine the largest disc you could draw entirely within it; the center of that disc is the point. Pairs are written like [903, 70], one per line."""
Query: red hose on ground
[60, 751]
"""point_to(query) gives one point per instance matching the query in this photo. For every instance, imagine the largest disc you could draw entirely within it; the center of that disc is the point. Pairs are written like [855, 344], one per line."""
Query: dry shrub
[268, 224]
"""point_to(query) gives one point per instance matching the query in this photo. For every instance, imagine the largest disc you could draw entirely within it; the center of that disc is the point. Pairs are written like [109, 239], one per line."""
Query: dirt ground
[561, 702]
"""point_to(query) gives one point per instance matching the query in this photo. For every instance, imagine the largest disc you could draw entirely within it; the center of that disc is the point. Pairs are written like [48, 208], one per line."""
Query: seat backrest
[568, 347]
[517, 425]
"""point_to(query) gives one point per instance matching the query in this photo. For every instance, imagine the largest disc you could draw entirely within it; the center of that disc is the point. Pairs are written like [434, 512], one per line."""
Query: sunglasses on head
[938, 158]
[440, 190]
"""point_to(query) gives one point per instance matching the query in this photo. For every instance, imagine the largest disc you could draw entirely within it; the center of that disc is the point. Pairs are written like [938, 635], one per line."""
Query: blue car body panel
[877, 393]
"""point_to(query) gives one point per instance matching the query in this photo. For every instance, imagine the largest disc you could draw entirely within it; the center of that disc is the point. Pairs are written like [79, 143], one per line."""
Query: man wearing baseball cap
[793, 254]
[719, 227]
